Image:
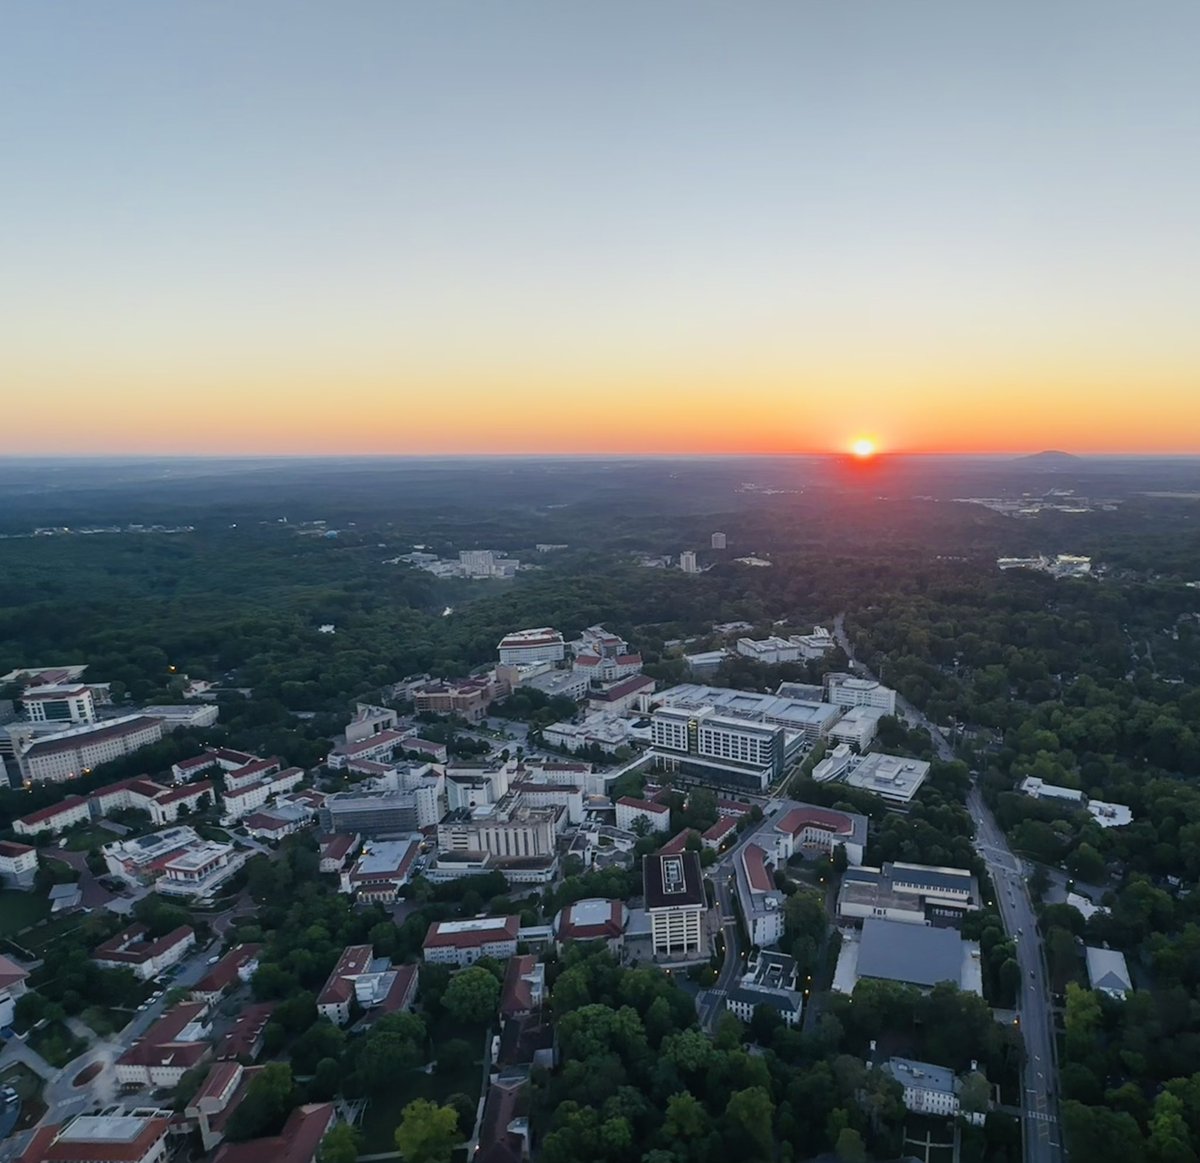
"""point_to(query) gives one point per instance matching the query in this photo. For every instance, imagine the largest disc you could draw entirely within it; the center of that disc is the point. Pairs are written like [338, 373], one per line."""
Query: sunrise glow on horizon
[305, 231]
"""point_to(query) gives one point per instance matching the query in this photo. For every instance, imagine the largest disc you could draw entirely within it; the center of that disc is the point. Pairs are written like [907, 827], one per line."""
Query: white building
[65, 703]
[770, 651]
[54, 819]
[770, 981]
[462, 943]
[12, 986]
[687, 561]
[18, 865]
[543, 644]
[384, 867]
[510, 829]
[630, 810]
[893, 778]
[815, 645]
[673, 888]
[133, 949]
[1033, 786]
[241, 801]
[75, 752]
[200, 869]
[761, 902]
[806, 827]
[137, 1136]
[857, 727]
[608, 732]
[718, 541]
[178, 1041]
[184, 715]
[928, 1089]
[844, 690]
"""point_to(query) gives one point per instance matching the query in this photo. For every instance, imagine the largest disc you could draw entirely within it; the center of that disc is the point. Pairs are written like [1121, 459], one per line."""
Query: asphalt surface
[1039, 1106]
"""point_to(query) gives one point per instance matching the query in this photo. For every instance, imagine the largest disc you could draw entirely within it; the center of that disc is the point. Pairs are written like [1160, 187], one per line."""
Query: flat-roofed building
[928, 1089]
[462, 943]
[770, 981]
[117, 1136]
[844, 690]
[384, 867]
[720, 749]
[894, 778]
[504, 830]
[675, 901]
[916, 894]
[59, 703]
[469, 698]
[543, 644]
[857, 727]
[200, 869]
[380, 813]
[593, 919]
[184, 714]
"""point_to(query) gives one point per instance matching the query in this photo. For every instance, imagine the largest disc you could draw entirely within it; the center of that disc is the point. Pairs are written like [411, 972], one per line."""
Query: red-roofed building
[523, 988]
[630, 810]
[734, 808]
[75, 752]
[65, 814]
[678, 842]
[171, 1046]
[464, 942]
[250, 773]
[335, 998]
[134, 1137]
[132, 949]
[220, 1094]
[758, 873]
[244, 1039]
[594, 919]
[336, 850]
[236, 967]
[721, 831]
[822, 829]
[12, 986]
[18, 864]
[618, 697]
[298, 1142]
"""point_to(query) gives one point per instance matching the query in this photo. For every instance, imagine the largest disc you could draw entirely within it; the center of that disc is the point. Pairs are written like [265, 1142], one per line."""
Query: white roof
[1107, 971]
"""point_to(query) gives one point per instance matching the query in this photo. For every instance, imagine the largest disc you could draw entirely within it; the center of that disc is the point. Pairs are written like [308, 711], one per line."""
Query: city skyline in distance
[283, 231]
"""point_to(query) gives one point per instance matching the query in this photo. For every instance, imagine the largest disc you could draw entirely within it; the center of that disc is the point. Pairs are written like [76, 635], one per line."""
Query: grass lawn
[44, 937]
[383, 1112]
[87, 838]
[212, 832]
[106, 1020]
[19, 910]
[56, 1044]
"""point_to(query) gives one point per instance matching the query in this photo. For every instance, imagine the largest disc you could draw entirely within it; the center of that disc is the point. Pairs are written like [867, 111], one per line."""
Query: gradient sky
[381, 226]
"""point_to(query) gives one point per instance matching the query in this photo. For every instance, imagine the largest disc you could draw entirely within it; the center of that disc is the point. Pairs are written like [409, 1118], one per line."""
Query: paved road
[1043, 1141]
[710, 1003]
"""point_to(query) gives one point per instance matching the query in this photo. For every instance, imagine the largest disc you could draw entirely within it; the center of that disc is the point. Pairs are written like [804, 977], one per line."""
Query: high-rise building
[718, 540]
[687, 561]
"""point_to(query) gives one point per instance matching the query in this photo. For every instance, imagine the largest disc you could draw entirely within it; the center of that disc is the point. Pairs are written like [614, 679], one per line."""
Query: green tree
[850, 1147]
[472, 995]
[686, 1117]
[750, 1114]
[340, 1145]
[267, 1103]
[427, 1133]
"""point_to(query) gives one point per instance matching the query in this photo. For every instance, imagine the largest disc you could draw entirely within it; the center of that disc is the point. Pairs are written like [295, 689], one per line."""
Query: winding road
[1039, 1123]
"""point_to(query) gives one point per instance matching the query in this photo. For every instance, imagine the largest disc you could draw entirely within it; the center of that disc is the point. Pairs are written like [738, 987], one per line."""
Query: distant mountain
[1050, 458]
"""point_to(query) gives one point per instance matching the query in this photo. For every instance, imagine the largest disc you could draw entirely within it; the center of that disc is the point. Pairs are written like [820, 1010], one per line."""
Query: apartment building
[673, 888]
[462, 943]
[235, 968]
[18, 864]
[761, 902]
[76, 751]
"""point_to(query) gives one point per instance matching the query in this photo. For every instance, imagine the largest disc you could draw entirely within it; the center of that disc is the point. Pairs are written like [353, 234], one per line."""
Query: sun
[862, 448]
